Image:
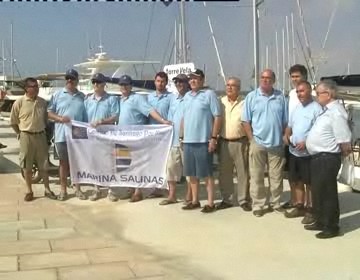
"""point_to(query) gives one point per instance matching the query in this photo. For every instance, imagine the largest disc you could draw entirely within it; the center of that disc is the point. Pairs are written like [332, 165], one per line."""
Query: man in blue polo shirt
[265, 118]
[160, 98]
[201, 126]
[66, 105]
[175, 161]
[301, 120]
[101, 108]
[135, 110]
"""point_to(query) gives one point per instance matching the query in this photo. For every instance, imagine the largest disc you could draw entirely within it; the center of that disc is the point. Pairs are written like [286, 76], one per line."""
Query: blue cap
[71, 73]
[98, 77]
[125, 80]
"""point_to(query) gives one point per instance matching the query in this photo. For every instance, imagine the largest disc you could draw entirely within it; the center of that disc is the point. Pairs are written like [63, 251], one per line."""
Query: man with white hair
[328, 140]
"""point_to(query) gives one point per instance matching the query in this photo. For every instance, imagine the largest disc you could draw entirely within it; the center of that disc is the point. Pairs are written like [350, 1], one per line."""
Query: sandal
[80, 195]
[50, 194]
[136, 198]
[208, 209]
[29, 196]
[191, 206]
[168, 201]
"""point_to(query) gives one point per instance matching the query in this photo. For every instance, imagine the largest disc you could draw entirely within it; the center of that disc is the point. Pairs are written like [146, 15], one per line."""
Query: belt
[324, 154]
[241, 139]
[31, 132]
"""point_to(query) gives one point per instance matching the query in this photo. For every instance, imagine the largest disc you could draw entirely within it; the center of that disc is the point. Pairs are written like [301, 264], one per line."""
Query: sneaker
[50, 194]
[223, 205]
[191, 206]
[2, 146]
[80, 195]
[208, 209]
[259, 213]
[96, 194]
[308, 219]
[246, 206]
[111, 196]
[298, 211]
[279, 210]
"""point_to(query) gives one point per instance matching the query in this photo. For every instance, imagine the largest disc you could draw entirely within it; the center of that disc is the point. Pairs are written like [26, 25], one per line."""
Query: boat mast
[256, 4]
[216, 48]
[183, 57]
[277, 54]
[283, 61]
[288, 47]
[293, 39]
[3, 60]
[11, 52]
[175, 43]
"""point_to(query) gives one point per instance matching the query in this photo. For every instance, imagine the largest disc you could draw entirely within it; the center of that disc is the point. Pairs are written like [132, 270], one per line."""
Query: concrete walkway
[46, 239]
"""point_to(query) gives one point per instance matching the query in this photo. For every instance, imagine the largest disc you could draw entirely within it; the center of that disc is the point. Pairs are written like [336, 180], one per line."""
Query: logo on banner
[122, 157]
[79, 132]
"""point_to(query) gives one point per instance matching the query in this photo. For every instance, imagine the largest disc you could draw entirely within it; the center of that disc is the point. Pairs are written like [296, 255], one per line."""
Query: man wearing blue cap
[201, 127]
[101, 108]
[135, 110]
[66, 105]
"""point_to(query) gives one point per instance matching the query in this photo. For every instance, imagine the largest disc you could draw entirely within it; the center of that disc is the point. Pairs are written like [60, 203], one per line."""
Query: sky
[138, 30]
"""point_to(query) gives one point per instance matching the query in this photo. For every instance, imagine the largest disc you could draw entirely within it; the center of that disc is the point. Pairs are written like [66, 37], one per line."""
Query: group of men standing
[249, 136]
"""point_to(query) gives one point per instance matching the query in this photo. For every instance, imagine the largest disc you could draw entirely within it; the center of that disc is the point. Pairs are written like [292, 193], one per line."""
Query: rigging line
[304, 54]
[167, 48]
[148, 38]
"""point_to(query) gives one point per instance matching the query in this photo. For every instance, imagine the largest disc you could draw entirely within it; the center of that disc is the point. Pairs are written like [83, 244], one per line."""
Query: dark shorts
[287, 155]
[197, 160]
[61, 151]
[299, 169]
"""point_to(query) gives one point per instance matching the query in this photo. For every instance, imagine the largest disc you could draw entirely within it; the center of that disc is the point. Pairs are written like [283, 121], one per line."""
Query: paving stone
[113, 271]
[8, 217]
[142, 269]
[60, 221]
[38, 261]
[49, 274]
[8, 263]
[24, 247]
[51, 233]
[81, 243]
[8, 235]
[25, 224]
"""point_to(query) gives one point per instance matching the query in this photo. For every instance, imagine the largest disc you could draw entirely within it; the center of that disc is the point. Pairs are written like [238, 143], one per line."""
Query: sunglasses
[71, 78]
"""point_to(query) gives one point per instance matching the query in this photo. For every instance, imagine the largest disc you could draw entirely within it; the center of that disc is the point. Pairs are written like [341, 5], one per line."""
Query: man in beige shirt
[233, 150]
[28, 118]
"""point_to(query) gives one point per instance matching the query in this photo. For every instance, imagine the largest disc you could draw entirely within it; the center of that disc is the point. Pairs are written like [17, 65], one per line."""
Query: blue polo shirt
[63, 103]
[301, 120]
[268, 116]
[200, 108]
[105, 107]
[160, 103]
[134, 109]
[175, 115]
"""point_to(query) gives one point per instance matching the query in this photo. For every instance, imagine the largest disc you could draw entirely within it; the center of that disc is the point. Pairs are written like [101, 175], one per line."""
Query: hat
[181, 77]
[98, 77]
[72, 74]
[125, 80]
[197, 73]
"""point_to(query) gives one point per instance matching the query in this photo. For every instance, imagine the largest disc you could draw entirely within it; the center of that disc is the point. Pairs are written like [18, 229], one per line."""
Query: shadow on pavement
[350, 223]
[7, 166]
[349, 202]
[8, 135]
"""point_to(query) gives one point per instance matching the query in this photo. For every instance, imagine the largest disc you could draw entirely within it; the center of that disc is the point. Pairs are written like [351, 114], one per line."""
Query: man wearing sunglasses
[66, 105]
[175, 161]
[101, 108]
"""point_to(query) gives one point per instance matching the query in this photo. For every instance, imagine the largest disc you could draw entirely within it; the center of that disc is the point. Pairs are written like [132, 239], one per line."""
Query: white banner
[118, 156]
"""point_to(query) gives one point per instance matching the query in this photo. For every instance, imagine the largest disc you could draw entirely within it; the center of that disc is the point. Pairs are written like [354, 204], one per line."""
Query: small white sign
[173, 70]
